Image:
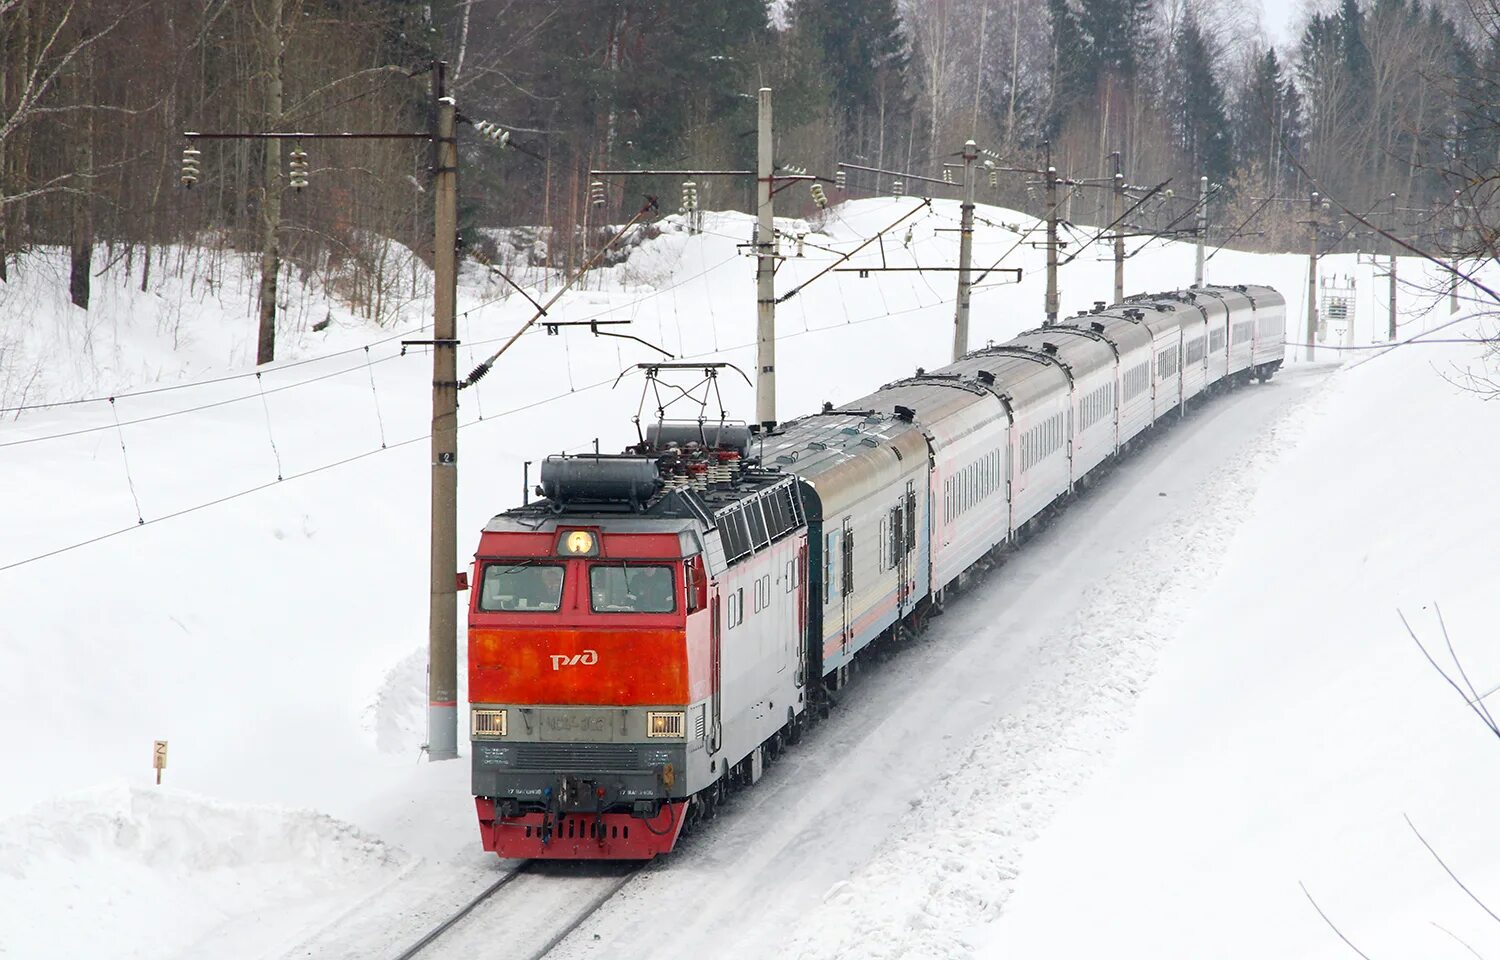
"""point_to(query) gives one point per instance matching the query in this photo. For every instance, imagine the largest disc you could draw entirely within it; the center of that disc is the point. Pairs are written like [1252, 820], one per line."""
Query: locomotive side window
[521, 586]
[696, 583]
[632, 588]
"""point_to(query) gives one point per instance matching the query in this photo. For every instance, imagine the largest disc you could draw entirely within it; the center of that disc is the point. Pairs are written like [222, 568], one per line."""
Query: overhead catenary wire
[195, 409]
[375, 396]
[311, 471]
[484, 367]
[212, 381]
[125, 459]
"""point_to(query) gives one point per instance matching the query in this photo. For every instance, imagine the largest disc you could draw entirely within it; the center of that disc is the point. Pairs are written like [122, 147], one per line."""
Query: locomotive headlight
[664, 723]
[485, 724]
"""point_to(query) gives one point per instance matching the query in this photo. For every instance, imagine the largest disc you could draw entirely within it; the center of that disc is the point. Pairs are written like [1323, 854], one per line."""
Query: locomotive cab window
[632, 588]
[521, 586]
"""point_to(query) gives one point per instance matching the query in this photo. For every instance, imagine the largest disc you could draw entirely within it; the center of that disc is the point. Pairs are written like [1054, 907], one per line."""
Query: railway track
[536, 889]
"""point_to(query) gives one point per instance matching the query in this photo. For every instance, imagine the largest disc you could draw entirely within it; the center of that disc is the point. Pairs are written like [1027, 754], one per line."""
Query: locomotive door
[715, 651]
[803, 598]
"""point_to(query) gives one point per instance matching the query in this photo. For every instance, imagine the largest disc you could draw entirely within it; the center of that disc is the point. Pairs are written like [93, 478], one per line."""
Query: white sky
[1281, 18]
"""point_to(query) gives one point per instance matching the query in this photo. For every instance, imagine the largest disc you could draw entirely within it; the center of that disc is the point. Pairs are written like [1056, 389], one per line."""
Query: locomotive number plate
[585, 725]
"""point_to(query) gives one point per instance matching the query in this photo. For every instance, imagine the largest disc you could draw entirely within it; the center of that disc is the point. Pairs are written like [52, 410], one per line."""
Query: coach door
[903, 540]
[846, 581]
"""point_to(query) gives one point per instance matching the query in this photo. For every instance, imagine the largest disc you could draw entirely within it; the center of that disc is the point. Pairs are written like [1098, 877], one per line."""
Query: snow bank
[1294, 726]
[125, 872]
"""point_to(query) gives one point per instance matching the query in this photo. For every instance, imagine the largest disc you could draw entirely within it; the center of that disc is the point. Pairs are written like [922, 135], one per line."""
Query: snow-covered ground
[276, 638]
[1294, 726]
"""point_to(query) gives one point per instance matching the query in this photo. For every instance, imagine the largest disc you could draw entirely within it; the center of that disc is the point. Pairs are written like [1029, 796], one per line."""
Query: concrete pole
[965, 253]
[1202, 230]
[442, 649]
[1392, 273]
[270, 250]
[1312, 278]
[765, 273]
[1051, 306]
[1453, 236]
[1118, 218]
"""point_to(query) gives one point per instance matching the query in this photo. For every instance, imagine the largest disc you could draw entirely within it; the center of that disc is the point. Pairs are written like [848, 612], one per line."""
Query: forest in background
[1376, 98]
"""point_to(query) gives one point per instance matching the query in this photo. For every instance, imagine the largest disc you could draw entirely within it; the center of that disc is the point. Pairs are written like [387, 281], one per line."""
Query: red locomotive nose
[593, 666]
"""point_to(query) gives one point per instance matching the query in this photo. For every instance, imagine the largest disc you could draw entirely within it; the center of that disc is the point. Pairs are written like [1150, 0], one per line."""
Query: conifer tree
[1203, 126]
[1267, 121]
[866, 54]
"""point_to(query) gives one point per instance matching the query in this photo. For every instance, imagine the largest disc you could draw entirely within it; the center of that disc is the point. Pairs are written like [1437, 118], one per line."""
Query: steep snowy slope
[276, 638]
[1294, 725]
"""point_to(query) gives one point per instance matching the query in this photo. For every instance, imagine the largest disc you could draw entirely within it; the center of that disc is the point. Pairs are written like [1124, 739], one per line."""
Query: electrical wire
[418, 439]
[186, 410]
[193, 384]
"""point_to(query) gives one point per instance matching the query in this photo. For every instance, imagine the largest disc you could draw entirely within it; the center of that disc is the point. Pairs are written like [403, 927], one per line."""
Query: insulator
[819, 197]
[297, 169]
[596, 193]
[947, 175]
[840, 179]
[689, 196]
[493, 131]
[190, 167]
[898, 187]
[995, 179]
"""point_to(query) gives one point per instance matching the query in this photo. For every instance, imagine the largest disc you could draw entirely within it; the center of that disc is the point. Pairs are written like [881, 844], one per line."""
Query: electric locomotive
[603, 697]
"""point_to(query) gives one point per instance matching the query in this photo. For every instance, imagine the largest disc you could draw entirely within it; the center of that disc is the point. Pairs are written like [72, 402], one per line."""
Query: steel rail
[468, 908]
[593, 908]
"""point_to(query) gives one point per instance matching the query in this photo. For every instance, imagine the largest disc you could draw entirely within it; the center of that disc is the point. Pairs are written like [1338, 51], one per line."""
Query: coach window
[521, 585]
[632, 588]
[828, 567]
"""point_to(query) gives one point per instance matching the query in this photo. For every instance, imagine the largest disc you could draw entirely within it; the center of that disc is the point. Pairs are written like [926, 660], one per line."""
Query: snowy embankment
[1294, 725]
[121, 870]
[276, 638]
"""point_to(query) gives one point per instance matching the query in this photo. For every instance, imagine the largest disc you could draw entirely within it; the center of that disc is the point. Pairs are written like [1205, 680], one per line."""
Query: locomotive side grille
[577, 756]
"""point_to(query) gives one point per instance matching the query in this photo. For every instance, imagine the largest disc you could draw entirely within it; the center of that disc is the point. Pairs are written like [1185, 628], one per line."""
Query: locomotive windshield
[521, 585]
[632, 588]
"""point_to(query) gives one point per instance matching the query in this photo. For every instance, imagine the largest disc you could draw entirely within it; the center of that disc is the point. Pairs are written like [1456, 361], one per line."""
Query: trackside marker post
[159, 758]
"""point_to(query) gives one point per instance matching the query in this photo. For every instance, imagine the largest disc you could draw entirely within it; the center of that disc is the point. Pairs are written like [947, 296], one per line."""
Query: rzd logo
[587, 658]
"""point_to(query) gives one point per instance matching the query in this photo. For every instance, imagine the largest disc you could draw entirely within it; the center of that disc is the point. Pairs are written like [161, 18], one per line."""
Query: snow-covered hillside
[277, 637]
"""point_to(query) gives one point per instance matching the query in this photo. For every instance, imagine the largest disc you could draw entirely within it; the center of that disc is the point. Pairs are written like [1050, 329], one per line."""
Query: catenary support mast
[765, 272]
[442, 665]
[965, 253]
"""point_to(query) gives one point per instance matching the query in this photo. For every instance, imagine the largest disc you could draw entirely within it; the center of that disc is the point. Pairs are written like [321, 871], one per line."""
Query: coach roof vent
[1098, 306]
